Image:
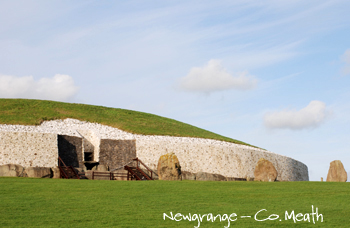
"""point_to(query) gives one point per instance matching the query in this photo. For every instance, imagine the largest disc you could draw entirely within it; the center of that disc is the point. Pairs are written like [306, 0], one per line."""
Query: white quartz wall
[37, 146]
[227, 159]
[28, 149]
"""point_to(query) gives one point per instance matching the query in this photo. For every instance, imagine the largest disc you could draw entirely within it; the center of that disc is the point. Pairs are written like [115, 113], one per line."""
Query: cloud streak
[60, 87]
[309, 117]
[214, 77]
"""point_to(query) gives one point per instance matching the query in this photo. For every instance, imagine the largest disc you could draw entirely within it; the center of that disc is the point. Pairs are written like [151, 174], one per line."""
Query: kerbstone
[203, 176]
[12, 170]
[39, 172]
[185, 175]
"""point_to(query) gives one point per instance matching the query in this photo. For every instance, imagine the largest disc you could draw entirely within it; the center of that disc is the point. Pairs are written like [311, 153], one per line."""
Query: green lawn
[34, 112]
[27, 202]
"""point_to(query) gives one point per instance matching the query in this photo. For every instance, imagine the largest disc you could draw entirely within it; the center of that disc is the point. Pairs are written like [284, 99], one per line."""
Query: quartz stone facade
[41, 145]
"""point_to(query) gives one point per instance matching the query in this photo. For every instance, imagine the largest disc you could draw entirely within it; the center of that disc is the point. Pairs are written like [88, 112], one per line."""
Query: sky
[274, 74]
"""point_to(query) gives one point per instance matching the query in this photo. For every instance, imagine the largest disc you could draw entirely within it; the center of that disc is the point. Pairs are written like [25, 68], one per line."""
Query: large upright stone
[265, 171]
[169, 167]
[337, 172]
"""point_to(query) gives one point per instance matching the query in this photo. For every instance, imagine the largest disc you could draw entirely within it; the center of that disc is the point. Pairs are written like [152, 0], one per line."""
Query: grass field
[34, 112]
[27, 202]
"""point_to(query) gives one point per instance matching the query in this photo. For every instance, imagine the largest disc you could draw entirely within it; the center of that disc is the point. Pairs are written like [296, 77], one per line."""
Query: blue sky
[275, 74]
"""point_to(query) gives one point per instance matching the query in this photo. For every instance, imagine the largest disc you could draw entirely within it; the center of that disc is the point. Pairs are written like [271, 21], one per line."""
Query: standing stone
[337, 172]
[169, 167]
[265, 171]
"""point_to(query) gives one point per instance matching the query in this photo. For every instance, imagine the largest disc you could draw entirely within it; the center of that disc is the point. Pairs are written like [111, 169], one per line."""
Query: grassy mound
[34, 112]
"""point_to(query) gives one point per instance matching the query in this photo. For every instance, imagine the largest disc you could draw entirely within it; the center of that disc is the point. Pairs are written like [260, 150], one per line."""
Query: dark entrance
[70, 150]
[88, 156]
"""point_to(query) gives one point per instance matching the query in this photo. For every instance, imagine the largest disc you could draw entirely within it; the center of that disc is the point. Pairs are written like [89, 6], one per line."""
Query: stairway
[67, 172]
[136, 173]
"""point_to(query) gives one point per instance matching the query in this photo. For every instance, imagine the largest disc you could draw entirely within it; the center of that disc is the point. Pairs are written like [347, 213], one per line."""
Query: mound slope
[34, 112]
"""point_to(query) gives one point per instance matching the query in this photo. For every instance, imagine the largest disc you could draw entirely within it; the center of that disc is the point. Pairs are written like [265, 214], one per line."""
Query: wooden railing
[133, 174]
[140, 171]
[109, 175]
[145, 176]
[65, 169]
[60, 162]
[139, 162]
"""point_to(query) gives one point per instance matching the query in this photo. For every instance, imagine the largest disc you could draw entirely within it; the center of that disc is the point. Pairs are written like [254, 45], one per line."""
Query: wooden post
[92, 174]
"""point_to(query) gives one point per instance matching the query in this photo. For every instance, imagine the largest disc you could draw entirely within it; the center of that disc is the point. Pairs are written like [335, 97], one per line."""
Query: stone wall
[211, 156]
[70, 149]
[30, 146]
[116, 153]
[28, 149]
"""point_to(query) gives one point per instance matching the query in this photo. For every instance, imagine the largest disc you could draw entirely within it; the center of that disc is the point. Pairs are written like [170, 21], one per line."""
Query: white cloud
[60, 87]
[213, 77]
[346, 59]
[309, 117]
